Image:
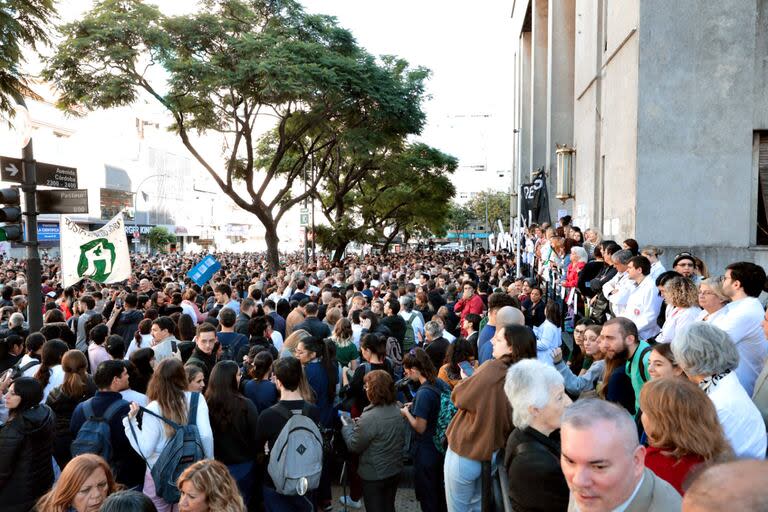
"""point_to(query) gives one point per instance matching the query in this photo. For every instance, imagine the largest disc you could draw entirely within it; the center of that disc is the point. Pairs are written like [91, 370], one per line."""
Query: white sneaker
[349, 502]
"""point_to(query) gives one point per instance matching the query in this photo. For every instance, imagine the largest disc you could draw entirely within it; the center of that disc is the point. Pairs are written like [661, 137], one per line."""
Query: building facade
[665, 103]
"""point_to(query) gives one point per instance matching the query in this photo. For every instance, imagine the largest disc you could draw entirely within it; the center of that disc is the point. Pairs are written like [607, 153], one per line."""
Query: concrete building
[666, 105]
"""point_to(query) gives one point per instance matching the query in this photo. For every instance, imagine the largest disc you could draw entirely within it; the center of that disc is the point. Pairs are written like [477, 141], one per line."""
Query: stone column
[539, 66]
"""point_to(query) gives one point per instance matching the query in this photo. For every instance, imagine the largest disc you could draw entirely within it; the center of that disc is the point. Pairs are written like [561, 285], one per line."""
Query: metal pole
[29, 187]
[314, 257]
[306, 239]
[518, 231]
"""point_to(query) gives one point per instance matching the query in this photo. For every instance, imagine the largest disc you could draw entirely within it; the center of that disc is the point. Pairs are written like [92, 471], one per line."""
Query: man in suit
[604, 465]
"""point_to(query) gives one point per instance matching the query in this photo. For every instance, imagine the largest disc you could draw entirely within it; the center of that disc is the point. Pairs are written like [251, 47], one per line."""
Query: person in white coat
[708, 357]
[644, 302]
[742, 319]
[170, 399]
[549, 336]
[619, 287]
[652, 253]
[681, 294]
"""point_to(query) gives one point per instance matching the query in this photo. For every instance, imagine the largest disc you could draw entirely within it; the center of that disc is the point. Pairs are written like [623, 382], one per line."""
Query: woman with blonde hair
[682, 427]
[652, 253]
[84, 484]
[712, 299]
[170, 399]
[681, 296]
[292, 341]
[77, 387]
[207, 486]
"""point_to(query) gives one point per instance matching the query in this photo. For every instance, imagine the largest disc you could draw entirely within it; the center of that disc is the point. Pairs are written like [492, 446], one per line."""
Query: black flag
[536, 200]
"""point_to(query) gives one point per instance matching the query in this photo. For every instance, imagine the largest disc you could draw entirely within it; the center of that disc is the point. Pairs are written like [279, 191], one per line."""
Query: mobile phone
[119, 303]
[345, 417]
[467, 368]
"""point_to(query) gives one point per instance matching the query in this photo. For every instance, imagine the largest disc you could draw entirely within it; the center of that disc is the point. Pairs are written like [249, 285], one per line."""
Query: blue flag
[203, 271]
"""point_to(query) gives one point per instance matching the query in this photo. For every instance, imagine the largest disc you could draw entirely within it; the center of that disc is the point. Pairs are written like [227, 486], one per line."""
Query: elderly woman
[378, 437]
[578, 260]
[532, 458]
[592, 239]
[681, 295]
[708, 357]
[712, 299]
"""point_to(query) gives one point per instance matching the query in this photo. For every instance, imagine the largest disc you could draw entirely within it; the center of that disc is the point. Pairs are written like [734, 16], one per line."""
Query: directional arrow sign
[10, 169]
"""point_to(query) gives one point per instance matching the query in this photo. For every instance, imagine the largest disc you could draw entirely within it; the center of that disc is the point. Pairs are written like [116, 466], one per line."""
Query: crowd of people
[587, 378]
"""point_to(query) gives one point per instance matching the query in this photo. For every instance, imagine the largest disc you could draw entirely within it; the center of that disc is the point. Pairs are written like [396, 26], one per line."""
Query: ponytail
[419, 360]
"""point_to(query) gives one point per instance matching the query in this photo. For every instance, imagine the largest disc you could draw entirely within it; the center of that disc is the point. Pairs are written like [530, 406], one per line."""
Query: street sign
[57, 176]
[62, 201]
[49, 175]
[10, 169]
[304, 219]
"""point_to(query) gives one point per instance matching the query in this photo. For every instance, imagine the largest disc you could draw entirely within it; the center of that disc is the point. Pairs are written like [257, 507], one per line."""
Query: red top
[473, 305]
[669, 468]
[572, 274]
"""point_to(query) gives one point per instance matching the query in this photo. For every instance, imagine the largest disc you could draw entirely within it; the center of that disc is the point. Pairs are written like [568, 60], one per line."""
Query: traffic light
[10, 214]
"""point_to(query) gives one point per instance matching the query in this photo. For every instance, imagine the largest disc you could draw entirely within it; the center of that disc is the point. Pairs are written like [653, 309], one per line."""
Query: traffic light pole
[34, 286]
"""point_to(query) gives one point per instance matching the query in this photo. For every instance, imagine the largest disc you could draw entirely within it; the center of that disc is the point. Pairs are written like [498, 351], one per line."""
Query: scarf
[710, 383]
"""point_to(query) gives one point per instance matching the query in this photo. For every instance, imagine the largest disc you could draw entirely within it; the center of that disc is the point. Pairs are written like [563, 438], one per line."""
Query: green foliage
[159, 238]
[498, 208]
[22, 23]
[228, 64]
[458, 217]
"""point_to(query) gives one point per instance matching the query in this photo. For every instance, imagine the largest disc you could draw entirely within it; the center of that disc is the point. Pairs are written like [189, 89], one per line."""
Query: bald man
[736, 486]
[508, 315]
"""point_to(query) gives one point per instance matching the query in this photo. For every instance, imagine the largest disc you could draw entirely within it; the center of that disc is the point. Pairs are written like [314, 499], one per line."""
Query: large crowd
[583, 377]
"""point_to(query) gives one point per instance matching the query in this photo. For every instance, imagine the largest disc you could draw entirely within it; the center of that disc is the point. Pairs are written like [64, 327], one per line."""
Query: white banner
[100, 255]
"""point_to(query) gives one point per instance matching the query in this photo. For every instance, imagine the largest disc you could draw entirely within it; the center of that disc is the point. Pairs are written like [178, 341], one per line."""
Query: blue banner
[203, 271]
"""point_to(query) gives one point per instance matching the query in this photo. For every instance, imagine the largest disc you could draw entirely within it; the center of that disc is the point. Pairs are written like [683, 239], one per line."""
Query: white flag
[100, 255]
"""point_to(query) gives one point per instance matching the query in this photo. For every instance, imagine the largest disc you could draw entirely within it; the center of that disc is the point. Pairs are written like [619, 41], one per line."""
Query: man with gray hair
[435, 345]
[506, 316]
[619, 288]
[604, 464]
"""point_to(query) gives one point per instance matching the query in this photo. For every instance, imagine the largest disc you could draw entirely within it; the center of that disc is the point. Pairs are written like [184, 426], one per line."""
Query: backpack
[641, 365]
[230, 351]
[182, 450]
[297, 456]
[395, 355]
[444, 417]
[95, 435]
[409, 341]
[18, 370]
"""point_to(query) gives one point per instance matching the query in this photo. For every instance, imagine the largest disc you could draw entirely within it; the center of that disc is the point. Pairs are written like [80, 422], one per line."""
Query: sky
[468, 48]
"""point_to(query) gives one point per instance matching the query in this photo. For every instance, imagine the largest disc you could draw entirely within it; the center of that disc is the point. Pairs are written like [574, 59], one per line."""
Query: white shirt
[656, 270]
[706, 317]
[643, 307]
[164, 349]
[29, 372]
[548, 338]
[741, 420]
[617, 291]
[130, 395]
[624, 506]
[146, 342]
[742, 321]
[448, 336]
[187, 309]
[56, 379]
[277, 340]
[676, 322]
[152, 438]
[357, 331]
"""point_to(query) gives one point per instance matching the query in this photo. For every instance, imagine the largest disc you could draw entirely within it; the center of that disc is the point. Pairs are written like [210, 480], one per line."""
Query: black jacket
[204, 361]
[241, 324]
[397, 326]
[536, 482]
[127, 324]
[26, 447]
[315, 327]
[63, 406]
[436, 351]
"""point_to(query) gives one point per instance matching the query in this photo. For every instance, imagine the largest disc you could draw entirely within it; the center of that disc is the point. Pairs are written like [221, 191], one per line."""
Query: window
[762, 188]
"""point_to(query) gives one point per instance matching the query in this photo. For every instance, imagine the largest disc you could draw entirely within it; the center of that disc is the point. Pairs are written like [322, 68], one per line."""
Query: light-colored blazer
[654, 495]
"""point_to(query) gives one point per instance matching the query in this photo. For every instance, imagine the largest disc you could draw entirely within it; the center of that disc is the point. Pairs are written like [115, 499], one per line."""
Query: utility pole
[29, 187]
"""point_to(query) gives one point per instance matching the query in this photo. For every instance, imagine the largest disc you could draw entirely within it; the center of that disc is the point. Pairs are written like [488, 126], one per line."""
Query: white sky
[467, 46]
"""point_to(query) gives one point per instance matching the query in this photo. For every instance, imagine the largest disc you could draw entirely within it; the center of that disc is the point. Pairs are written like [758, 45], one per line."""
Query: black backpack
[18, 369]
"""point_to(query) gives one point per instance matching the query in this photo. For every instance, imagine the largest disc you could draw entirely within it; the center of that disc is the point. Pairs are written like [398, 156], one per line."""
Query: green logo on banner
[97, 258]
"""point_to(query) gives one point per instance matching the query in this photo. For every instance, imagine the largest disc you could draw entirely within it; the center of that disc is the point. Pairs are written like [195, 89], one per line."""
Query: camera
[404, 386]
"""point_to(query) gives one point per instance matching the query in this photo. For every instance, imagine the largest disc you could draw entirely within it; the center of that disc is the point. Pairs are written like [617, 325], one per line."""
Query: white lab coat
[676, 322]
[643, 307]
[617, 291]
[548, 337]
[742, 321]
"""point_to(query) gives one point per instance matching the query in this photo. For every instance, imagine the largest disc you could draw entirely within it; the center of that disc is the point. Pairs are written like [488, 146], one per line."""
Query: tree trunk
[273, 256]
[339, 250]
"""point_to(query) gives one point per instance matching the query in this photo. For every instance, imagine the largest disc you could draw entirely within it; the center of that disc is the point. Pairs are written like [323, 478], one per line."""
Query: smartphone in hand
[467, 368]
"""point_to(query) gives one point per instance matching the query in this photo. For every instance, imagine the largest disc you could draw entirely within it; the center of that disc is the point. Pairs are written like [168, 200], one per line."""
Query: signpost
[62, 201]
[49, 175]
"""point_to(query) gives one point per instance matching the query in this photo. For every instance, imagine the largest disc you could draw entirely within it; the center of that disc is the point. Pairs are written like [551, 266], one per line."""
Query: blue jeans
[243, 474]
[462, 483]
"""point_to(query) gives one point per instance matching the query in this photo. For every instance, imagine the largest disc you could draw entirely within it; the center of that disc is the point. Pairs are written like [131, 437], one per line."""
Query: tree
[410, 191]
[228, 65]
[159, 238]
[22, 22]
[497, 204]
[458, 217]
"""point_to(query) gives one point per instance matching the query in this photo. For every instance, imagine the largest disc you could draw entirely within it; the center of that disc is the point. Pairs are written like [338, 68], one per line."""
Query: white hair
[529, 384]
[581, 252]
[704, 349]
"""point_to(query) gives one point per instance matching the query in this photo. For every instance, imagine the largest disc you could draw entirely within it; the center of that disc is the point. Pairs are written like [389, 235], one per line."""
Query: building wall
[695, 134]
